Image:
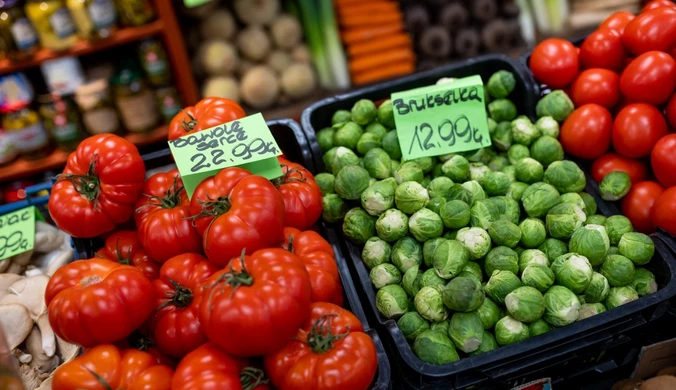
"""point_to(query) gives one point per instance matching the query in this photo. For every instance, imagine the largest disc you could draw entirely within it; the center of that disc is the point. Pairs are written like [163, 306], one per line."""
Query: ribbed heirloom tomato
[209, 112]
[301, 194]
[124, 247]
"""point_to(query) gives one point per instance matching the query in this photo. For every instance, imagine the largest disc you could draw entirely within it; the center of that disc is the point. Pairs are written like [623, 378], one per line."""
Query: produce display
[477, 250]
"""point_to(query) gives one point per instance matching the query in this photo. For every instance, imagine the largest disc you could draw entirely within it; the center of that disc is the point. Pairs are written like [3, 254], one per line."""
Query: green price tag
[247, 143]
[17, 232]
[441, 119]
[194, 3]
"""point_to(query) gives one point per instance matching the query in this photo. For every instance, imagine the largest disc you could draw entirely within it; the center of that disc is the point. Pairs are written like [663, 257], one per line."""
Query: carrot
[346, 3]
[364, 20]
[360, 34]
[386, 42]
[368, 8]
[382, 73]
[382, 58]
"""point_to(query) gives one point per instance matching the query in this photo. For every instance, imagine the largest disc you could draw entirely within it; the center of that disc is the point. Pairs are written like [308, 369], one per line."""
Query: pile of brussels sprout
[476, 250]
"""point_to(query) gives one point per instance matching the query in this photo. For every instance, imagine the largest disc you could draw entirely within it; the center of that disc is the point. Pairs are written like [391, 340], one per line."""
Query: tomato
[320, 262]
[554, 62]
[611, 162]
[603, 49]
[650, 78]
[142, 340]
[207, 113]
[600, 86]
[99, 186]
[178, 293]
[236, 210]
[670, 111]
[636, 205]
[663, 160]
[106, 367]
[586, 132]
[331, 350]
[663, 211]
[637, 127]
[124, 247]
[617, 21]
[301, 194]
[257, 303]
[658, 4]
[651, 30]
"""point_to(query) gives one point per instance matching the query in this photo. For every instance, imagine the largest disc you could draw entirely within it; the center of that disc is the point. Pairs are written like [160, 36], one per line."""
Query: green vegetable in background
[378, 163]
[502, 110]
[348, 135]
[463, 294]
[411, 280]
[439, 186]
[525, 304]
[483, 213]
[412, 324]
[475, 270]
[456, 168]
[334, 208]
[563, 220]
[364, 112]
[358, 226]
[516, 190]
[546, 150]
[637, 247]
[592, 242]
[425, 225]
[455, 214]
[502, 137]
[441, 326]
[510, 171]
[548, 126]
[477, 170]
[406, 253]
[590, 309]
[501, 258]
[340, 117]
[475, 189]
[351, 181]
[325, 139]
[532, 256]
[489, 313]
[434, 347]
[529, 170]
[596, 219]
[428, 250]
[392, 225]
[618, 296]
[458, 192]
[644, 282]
[575, 199]
[377, 129]
[533, 232]
[565, 176]
[429, 303]
[562, 307]
[575, 273]
[408, 171]
[430, 278]
[477, 241]
[450, 258]
[615, 185]
[410, 197]
[495, 183]
[378, 198]
[539, 198]
[391, 145]
[616, 226]
[376, 251]
[367, 142]
[589, 203]
[538, 327]
[392, 301]
[425, 163]
[466, 331]
[386, 114]
[505, 233]
[510, 331]
[500, 84]
[325, 181]
[517, 153]
[618, 270]
[500, 284]
[598, 288]
[538, 276]
[555, 104]
[508, 208]
[435, 204]
[553, 248]
[384, 274]
[524, 132]
[488, 343]
[339, 157]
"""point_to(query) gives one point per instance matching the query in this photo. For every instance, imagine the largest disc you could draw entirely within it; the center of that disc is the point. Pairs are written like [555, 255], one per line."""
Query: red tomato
[663, 160]
[636, 205]
[603, 49]
[600, 86]
[658, 4]
[330, 348]
[301, 194]
[141, 340]
[178, 293]
[257, 303]
[651, 30]
[637, 127]
[611, 162]
[664, 210]
[97, 301]
[671, 111]
[650, 78]
[124, 247]
[617, 21]
[99, 186]
[554, 62]
[209, 112]
[586, 132]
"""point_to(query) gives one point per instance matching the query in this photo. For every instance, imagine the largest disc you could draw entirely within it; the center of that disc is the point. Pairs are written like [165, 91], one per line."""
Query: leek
[333, 45]
[313, 29]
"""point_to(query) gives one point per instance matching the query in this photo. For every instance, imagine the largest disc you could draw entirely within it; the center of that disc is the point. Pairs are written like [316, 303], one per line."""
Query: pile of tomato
[230, 289]
[622, 81]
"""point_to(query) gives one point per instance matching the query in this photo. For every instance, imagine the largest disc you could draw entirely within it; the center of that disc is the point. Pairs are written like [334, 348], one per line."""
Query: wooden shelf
[153, 137]
[118, 38]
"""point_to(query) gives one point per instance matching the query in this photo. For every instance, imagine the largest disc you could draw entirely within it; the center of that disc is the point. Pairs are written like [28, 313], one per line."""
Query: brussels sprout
[372, 181]
[517, 153]
[375, 252]
[548, 126]
[325, 181]
[436, 171]
[351, 181]
[377, 129]
[384, 274]
[450, 234]
[450, 258]
[439, 186]
[483, 213]
[477, 241]
[538, 327]
[538, 276]
[364, 112]
[325, 139]
[455, 214]
[412, 324]
[500, 284]
[575, 273]
[475, 188]
[500, 84]
[348, 135]
[501, 258]
[426, 181]
[425, 225]
[615, 185]
[369, 141]
[508, 208]
[410, 197]
[613, 250]
[644, 282]
[428, 250]
[425, 163]
[618, 296]
[377, 198]
[340, 158]
[524, 132]
[392, 301]
[574, 199]
[532, 256]
[637, 247]
[442, 326]
[334, 208]
[596, 219]
[616, 226]
[529, 170]
[358, 226]
[553, 248]
[504, 233]
[502, 137]
[546, 150]
[592, 242]
[459, 192]
[341, 116]
[408, 171]
[429, 303]
[565, 176]
[589, 204]
[564, 219]
[556, 104]
[456, 168]
[391, 145]
[502, 110]
[489, 313]
[474, 269]
[597, 291]
[406, 253]
[430, 278]
[463, 294]
[377, 163]
[434, 347]
[392, 225]
[510, 171]
[618, 270]
[492, 125]
[525, 304]
[516, 190]
[562, 307]
[510, 331]
[411, 280]
[495, 183]
[488, 343]
[386, 114]
[590, 309]
[477, 170]
[539, 198]
[497, 163]
[435, 204]
[533, 232]
[466, 331]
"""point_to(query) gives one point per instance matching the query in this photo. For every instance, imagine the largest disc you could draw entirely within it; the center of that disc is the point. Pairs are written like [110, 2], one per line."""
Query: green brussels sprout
[456, 168]
[616, 226]
[504, 233]
[556, 104]
[412, 324]
[378, 198]
[428, 250]
[325, 139]
[565, 176]
[386, 114]
[483, 213]
[463, 294]
[348, 135]
[340, 158]
[439, 186]
[358, 226]
[574, 199]
[575, 273]
[466, 331]
[481, 155]
[538, 276]
[325, 181]
[341, 116]
[539, 198]
[425, 163]
[644, 282]
[618, 270]
[330, 155]
[411, 280]
[591, 309]
[501, 258]
[502, 137]
[392, 301]
[476, 189]
[502, 110]
[334, 208]
[510, 171]
[488, 343]
[546, 150]
[510, 331]
[516, 190]
[384, 274]
[430, 278]
[589, 205]
[406, 253]
[369, 141]
[477, 241]
[425, 225]
[597, 291]
[409, 171]
[351, 181]
[524, 132]
[562, 307]
[508, 208]
[637, 247]
[459, 192]
[497, 163]
[495, 183]
[532, 256]
[553, 248]
[455, 214]
[533, 232]
[529, 171]
[596, 219]
[538, 327]
[375, 252]
[436, 171]
[429, 303]
[377, 163]
[450, 258]
[442, 326]
[548, 126]
[434, 347]
[394, 165]
[364, 112]
[618, 296]
[474, 269]
[492, 125]
[435, 204]
[426, 181]
[489, 313]
[615, 185]
[410, 197]
[377, 129]
[391, 145]
[563, 220]
[392, 225]
[500, 284]
[525, 304]
[582, 299]
[477, 170]
[592, 242]
[372, 181]
[500, 84]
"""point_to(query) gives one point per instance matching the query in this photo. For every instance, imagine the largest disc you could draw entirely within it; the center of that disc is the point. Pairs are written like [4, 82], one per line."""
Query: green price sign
[17, 232]
[246, 143]
[441, 119]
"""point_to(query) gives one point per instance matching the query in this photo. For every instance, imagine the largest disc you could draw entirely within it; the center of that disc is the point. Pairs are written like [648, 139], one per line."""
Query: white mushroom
[16, 322]
[30, 376]
[6, 280]
[19, 263]
[67, 351]
[41, 360]
[4, 264]
[47, 237]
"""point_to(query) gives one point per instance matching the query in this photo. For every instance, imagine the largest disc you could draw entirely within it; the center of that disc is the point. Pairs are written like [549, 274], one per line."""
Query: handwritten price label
[441, 119]
[17, 232]
[247, 143]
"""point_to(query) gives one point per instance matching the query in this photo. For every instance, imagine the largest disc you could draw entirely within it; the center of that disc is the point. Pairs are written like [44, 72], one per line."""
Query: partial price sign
[441, 119]
[17, 232]
[246, 143]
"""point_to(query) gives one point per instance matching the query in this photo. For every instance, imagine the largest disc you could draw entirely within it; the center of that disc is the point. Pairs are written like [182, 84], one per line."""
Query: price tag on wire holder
[17, 232]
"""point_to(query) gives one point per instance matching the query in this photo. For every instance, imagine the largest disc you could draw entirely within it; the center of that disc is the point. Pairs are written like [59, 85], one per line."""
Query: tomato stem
[287, 176]
[321, 338]
[120, 258]
[233, 278]
[181, 296]
[252, 377]
[290, 246]
[189, 125]
[87, 185]
[170, 199]
[99, 378]
[213, 208]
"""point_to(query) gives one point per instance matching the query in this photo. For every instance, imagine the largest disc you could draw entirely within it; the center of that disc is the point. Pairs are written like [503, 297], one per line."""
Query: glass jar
[61, 120]
[169, 102]
[154, 61]
[135, 101]
[135, 12]
[27, 132]
[53, 22]
[17, 34]
[8, 152]
[96, 105]
[94, 18]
